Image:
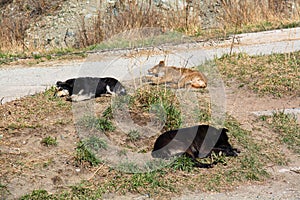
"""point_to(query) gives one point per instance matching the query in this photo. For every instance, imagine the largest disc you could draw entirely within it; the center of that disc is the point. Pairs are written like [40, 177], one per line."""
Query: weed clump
[37, 194]
[134, 135]
[161, 100]
[49, 141]
[100, 124]
[86, 148]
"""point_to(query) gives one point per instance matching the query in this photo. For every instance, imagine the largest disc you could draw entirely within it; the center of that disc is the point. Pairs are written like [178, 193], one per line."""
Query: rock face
[62, 28]
[72, 23]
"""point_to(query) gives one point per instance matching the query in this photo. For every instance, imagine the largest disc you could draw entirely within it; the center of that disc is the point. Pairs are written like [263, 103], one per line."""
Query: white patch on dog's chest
[108, 90]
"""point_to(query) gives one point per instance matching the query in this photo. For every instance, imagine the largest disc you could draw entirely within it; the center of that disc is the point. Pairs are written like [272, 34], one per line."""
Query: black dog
[194, 142]
[84, 88]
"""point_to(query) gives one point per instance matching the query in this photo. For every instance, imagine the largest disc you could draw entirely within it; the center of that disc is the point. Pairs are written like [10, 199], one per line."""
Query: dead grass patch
[252, 16]
[34, 112]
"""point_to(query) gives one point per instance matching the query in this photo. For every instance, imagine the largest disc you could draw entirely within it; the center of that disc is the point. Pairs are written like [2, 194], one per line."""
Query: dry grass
[12, 32]
[130, 15]
[248, 12]
[276, 74]
[287, 129]
[233, 16]
[15, 20]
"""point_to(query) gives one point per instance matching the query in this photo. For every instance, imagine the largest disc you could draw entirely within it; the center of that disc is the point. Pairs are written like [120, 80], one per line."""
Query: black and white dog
[84, 88]
[195, 142]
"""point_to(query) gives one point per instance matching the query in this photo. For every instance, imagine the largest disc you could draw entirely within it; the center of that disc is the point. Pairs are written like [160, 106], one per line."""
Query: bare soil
[284, 180]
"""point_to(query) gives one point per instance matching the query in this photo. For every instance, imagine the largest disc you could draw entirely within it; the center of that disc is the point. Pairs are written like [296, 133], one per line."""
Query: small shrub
[95, 143]
[48, 57]
[37, 56]
[174, 119]
[105, 124]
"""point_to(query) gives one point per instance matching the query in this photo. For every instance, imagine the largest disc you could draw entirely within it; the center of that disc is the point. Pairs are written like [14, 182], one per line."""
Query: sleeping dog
[194, 142]
[84, 88]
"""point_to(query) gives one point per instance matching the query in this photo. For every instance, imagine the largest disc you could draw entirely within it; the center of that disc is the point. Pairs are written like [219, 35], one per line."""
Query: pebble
[77, 170]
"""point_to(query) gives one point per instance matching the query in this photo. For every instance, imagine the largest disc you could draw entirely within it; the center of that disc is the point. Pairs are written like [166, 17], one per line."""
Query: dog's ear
[225, 130]
[58, 83]
[71, 82]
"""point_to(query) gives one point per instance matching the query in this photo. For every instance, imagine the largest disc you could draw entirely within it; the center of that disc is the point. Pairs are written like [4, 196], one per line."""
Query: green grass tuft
[84, 151]
[108, 114]
[100, 124]
[37, 195]
[161, 100]
[183, 163]
[134, 135]
[150, 182]
[49, 141]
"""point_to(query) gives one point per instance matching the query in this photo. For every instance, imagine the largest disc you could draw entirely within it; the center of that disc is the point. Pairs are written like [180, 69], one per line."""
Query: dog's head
[225, 145]
[198, 83]
[156, 69]
[121, 91]
[63, 88]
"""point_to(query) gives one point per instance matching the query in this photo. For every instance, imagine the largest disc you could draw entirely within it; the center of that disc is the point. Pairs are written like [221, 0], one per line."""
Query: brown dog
[178, 77]
[195, 142]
